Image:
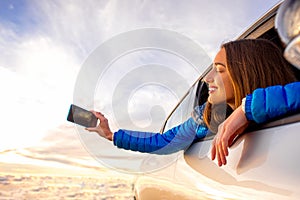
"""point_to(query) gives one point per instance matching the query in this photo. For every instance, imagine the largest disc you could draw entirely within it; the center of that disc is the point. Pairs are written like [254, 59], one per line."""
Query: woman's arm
[171, 141]
[261, 106]
[272, 102]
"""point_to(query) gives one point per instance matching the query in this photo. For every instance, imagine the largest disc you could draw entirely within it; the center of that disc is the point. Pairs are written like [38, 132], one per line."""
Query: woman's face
[219, 81]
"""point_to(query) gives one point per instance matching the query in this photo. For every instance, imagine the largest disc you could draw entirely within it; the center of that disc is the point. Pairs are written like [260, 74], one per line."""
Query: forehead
[221, 56]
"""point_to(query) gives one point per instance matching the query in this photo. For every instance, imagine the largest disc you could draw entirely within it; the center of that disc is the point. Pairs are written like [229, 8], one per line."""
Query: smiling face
[219, 81]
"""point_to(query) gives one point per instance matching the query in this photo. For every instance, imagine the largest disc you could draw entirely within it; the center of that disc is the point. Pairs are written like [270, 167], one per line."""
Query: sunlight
[33, 102]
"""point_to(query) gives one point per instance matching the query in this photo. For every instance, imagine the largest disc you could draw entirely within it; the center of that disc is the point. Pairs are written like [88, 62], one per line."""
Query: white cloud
[39, 63]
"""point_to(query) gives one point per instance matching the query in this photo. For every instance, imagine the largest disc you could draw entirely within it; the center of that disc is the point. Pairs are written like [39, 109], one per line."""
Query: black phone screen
[81, 116]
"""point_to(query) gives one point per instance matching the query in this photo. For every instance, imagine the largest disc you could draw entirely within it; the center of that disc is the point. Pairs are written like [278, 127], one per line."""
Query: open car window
[183, 110]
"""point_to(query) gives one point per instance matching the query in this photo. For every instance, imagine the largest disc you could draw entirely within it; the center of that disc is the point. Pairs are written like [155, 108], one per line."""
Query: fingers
[220, 146]
[213, 151]
[219, 158]
[217, 152]
[99, 115]
[234, 125]
[221, 155]
[225, 148]
[103, 122]
[91, 129]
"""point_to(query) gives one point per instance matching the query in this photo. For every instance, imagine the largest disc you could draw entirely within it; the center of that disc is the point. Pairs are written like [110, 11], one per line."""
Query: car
[263, 162]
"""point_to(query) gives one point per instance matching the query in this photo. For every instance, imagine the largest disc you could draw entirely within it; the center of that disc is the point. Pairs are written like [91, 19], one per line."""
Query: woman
[260, 65]
[239, 68]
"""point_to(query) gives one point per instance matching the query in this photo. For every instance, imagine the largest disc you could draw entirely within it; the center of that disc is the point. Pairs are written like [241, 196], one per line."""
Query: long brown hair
[251, 63]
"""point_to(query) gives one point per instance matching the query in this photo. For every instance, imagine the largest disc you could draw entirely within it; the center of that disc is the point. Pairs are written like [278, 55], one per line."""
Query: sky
[51, 50]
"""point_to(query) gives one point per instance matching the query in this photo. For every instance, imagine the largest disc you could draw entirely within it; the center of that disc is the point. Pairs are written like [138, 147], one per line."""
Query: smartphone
[81, 116]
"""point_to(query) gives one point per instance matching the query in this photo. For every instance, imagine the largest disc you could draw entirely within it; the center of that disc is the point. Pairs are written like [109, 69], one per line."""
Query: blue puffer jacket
[262, 105]
[272, 102]
[173, 140]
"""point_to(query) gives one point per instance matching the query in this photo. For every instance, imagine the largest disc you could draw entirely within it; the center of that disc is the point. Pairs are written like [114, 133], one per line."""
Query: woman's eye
[219, 70]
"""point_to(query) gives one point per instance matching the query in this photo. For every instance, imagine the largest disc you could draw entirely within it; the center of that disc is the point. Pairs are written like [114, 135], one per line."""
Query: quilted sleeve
[171, 141]
[265, 104]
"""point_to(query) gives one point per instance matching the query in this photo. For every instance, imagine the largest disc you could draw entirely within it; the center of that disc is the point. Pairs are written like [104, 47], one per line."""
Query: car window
[183, 110]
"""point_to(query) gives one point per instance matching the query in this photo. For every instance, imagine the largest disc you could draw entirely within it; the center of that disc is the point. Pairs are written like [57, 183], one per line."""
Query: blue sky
[18, 15]
[44, 44]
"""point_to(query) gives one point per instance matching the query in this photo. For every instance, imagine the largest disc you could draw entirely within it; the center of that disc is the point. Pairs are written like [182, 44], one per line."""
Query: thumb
[91, 129]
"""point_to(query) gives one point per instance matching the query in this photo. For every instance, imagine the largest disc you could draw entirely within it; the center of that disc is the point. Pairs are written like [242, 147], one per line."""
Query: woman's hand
[103, 128]
[234, 125]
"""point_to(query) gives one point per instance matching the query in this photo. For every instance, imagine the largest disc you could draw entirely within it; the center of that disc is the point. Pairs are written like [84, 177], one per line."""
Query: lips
[211, 89]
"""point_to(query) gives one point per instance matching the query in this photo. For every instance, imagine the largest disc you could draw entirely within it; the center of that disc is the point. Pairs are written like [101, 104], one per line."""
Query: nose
[209, 77]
